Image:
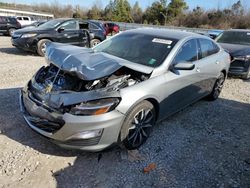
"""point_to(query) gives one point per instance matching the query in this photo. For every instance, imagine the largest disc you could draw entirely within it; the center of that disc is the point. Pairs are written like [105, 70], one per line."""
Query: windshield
[50, 24]
[234, 37]
[138, 48]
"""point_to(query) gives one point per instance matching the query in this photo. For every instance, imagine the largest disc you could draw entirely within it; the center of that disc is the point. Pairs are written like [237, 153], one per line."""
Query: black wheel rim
[140, 127]
[219, 86]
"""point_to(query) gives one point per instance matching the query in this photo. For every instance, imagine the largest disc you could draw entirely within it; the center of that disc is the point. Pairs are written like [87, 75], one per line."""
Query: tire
[11, 31]
[217, 88]
[137, 125]
[94, 42]
[41, 46]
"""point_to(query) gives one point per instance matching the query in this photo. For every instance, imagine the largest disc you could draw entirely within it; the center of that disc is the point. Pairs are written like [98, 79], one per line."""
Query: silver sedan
[90, 99]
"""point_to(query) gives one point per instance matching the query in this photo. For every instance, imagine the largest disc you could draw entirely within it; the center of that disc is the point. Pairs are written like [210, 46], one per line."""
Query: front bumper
[67, 135]
[239, 68]
[27, 44]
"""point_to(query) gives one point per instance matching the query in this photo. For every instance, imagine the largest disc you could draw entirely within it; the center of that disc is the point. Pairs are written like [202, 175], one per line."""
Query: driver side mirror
[60, 29]
[184, 65]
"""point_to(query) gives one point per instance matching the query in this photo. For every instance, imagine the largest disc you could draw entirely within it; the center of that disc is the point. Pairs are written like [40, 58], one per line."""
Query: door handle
[217, 62]
[198, 69]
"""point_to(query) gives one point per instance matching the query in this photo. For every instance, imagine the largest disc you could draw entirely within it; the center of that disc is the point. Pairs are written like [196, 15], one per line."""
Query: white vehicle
[25, 20]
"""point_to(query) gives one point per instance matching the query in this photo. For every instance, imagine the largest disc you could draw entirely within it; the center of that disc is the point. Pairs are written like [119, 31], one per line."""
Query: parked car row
[64, 30]
[8, 25]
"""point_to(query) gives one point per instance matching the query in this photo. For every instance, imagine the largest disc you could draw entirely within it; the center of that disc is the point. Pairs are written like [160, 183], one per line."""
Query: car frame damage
[77, 82]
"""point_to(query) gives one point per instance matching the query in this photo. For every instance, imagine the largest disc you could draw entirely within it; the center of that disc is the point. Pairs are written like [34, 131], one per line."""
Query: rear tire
[94, 42]
[137, 125]
[41, 46]
[217, 88]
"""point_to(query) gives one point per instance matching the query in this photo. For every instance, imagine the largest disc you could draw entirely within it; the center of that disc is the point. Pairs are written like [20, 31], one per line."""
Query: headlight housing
[242, 58]
[95, 107]
[28, 35]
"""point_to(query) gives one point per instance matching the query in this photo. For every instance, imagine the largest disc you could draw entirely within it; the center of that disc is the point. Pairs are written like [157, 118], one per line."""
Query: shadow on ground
[15, 51]
[206, 145]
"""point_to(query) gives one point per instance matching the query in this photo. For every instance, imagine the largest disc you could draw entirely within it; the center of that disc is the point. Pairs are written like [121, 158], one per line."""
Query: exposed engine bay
[51, 78]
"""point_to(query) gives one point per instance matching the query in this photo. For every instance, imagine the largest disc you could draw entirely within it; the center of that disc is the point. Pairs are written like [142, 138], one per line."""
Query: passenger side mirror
[60, 29]
[184, 65]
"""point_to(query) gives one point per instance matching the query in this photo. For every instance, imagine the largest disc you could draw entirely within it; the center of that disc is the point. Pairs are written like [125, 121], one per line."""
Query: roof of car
[240, 30]
[169, 33]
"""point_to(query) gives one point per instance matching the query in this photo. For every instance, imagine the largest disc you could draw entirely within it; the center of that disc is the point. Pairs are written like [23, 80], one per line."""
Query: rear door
[208, 64]
[70, 34]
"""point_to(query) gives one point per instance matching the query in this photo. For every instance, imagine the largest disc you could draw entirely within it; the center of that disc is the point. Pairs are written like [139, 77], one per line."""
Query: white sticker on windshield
[162, 41]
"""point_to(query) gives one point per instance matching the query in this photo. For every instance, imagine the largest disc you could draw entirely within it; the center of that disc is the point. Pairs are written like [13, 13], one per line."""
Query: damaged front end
[78, 82]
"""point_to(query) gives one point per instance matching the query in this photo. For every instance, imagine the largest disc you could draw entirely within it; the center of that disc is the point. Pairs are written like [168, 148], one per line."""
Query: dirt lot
[205, 145]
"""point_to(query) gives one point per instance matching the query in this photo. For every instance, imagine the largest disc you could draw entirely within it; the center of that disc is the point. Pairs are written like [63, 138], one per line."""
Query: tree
[238, 9]
[176, 8]
[118, 10]
[137, 13]
[156, 12]
[94, 13]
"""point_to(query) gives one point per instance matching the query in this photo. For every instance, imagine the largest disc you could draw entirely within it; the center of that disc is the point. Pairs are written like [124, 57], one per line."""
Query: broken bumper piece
[89, 133]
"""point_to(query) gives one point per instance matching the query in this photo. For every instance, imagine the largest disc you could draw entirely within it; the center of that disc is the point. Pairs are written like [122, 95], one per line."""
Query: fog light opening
[87, 134]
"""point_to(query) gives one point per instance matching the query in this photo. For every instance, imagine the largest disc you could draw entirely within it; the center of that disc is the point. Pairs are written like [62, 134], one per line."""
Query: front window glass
[70, 25]
[188, 52]
[50, 24]
[140, 48]
[234, 37]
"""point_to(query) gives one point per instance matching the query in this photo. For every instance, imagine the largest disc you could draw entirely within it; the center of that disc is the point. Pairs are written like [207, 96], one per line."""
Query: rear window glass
[235, 37]
[25, 18]
[208, 47]
[188, 52]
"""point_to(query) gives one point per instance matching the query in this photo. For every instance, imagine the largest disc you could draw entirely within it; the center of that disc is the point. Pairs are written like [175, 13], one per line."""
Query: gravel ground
[205, 145]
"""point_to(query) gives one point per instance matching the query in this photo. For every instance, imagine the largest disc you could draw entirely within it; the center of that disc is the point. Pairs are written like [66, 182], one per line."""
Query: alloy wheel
[219, 86]
[140, 127]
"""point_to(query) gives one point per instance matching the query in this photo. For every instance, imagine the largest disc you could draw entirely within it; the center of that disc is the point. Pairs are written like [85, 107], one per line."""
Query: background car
[214, 33]
[237, 43]
[35, 24]
[25, 20]
[8, 25]
[64, 30]
[98, 30]
[112, 28]
[89, 99]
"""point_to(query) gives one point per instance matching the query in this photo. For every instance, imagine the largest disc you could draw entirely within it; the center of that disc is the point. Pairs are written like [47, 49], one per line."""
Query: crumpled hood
[236, 50]
[87, 64]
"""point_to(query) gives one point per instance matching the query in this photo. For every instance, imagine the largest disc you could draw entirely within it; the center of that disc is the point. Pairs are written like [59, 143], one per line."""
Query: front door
[182, 87]
[69, 33]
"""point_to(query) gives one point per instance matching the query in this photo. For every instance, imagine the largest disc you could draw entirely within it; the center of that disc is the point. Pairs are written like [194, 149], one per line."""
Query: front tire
[217, 88]
[11, 31]
[41, 46]
[138, 125]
